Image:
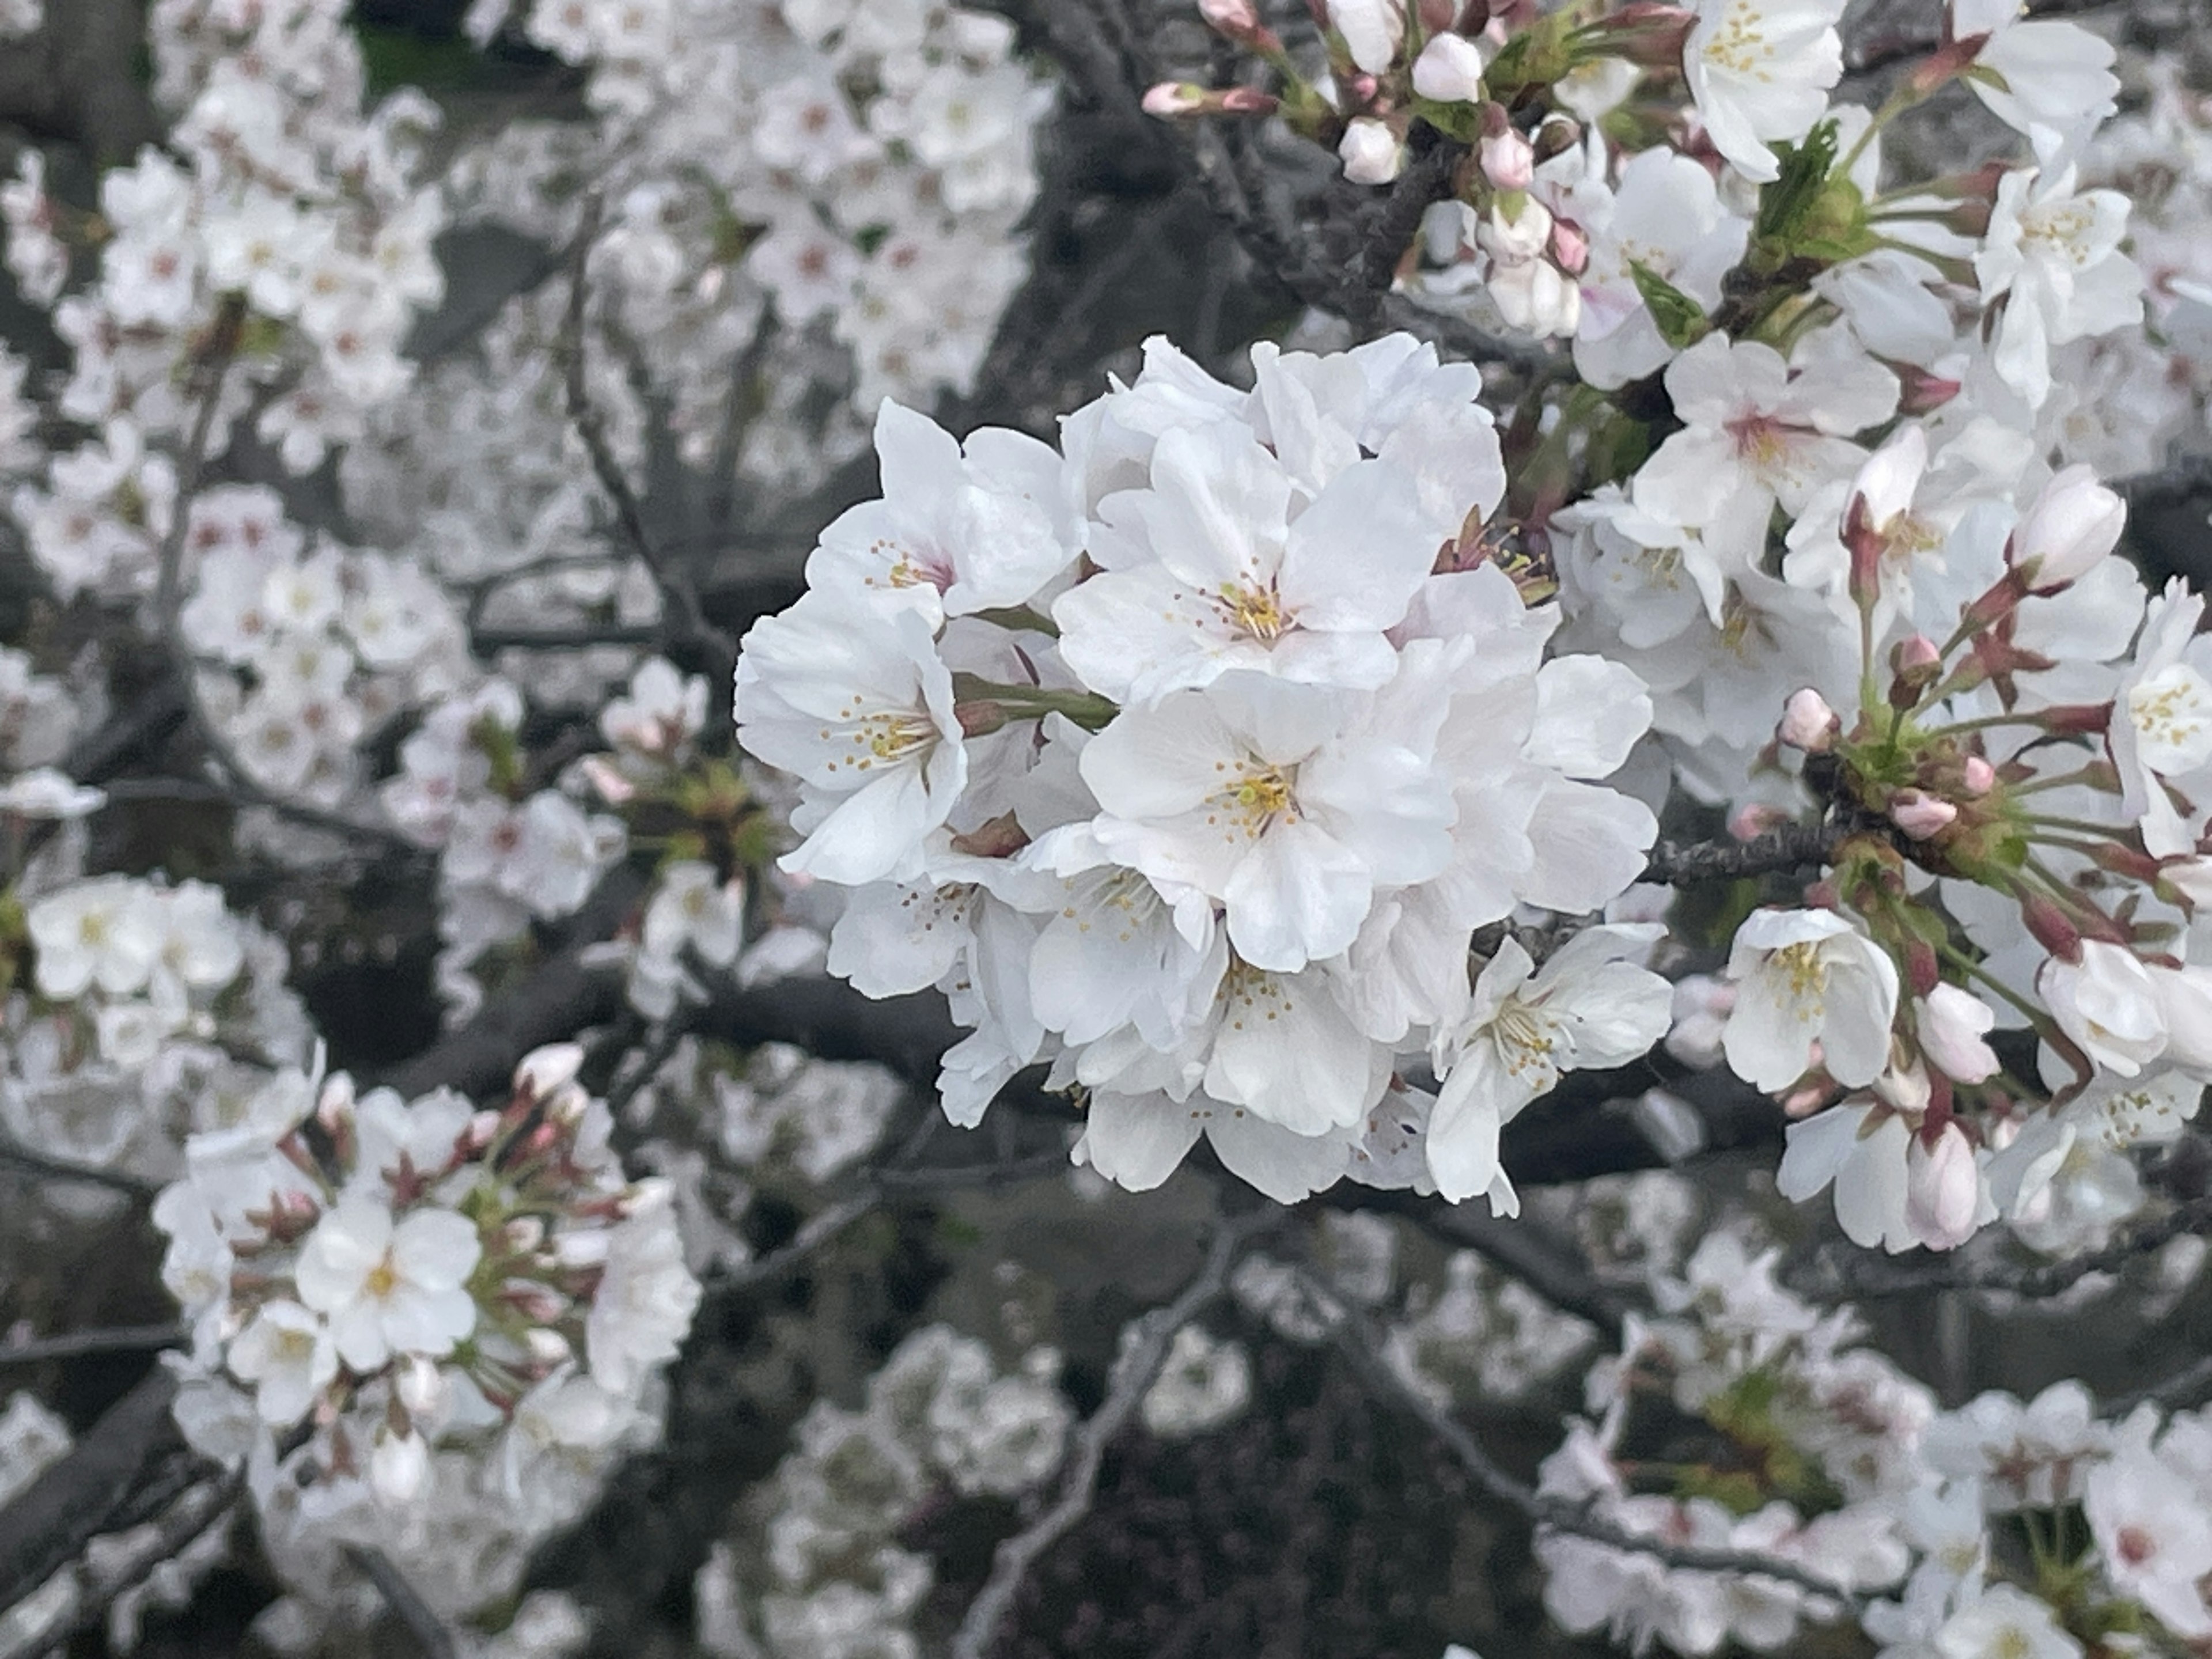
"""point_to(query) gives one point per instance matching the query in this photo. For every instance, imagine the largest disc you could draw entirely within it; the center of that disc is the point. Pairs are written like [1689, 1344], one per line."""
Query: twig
[1133, 1375]
[15, 1155]
[675, 584]
[431, 1636]
[202, 1506]
[2187, 1387]
[1869, 1280]
[1792, 846]
[209, 372]
[110, 1338]
[818, 1231]
[1361, 1344]
[47, 1524]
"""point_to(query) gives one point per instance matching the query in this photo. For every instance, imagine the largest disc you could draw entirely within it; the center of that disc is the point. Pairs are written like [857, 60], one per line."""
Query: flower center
[383, 1279]
[1254, 610]
[1805, 972]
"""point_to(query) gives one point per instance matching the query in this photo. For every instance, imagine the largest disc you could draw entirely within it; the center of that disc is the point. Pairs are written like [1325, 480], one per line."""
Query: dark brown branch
[1361, 1344]
[76, 1497]
[14, 1156]
[679, 591]
[73, 1345]
[1793, 846]
[1869, 1278]
[1135, 1373]
[430, 1636]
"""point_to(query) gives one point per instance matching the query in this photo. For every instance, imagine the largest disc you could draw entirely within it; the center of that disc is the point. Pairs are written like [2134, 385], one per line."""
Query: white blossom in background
[941, 1418]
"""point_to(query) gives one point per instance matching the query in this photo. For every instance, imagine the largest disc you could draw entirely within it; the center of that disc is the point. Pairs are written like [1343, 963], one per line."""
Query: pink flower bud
[1920, 814]
[1809, 723]
[1570, 247]
[1448, 70]
[1951, 1026]
[1234, 18]
[607, 780]
[1372, 154]
[1981, 777]
[1508, 161]
[1172, 98]
[1942, 1189]
[1753, 819]
[2074, 524]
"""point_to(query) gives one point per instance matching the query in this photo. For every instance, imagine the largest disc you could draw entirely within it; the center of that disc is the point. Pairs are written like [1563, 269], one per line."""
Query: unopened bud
[1980, 777]
[1571, 248]
[1915, 664]
[546, 1069]
[1508, 161]
[482, 1130]
[421, 1388]
[524, 1234]
[1170, 98]
[607, 780]
[1371, 153]
[1809, 723]
[1755, 818]
[2074, 524]
[1942, 1189]
[549, 1350]
[1239, 20]
[534, 1303]
[1921, 815]
[399, 1467]
[1448, 70]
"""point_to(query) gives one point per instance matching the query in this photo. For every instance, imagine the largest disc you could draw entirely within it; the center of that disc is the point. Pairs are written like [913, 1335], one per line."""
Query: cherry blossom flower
[1802, 977]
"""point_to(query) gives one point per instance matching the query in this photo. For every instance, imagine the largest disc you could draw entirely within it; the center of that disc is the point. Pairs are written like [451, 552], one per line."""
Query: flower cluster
[286, 232]
[1189, 756]
[774, 165]
[142, 1013]
[820, 1571]
[335, 642]
[461, 1314]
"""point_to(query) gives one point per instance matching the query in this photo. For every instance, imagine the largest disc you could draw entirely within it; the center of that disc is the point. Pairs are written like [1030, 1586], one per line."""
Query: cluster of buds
[387, 1277]
[2065, 843]
[1389, 65]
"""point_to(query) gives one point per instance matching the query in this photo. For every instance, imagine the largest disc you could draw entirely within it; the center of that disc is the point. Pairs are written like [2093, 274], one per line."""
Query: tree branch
[1868, 1279]
[430, 1635]
[1135, 1373]
[73, 1345]
[1361, 1342]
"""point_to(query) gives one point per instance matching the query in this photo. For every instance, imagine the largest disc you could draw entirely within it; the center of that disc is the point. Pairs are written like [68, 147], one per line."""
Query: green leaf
[1460, 121]
[1786, 203]
[1682, 321]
